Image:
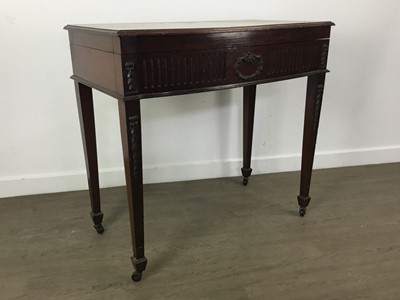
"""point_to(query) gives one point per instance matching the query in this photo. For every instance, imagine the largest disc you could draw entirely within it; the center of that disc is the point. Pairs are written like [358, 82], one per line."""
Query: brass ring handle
[248, 58]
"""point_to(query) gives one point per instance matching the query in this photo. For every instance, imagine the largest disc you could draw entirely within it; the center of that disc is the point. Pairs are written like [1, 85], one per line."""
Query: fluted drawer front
[159, 72]
[171, 71]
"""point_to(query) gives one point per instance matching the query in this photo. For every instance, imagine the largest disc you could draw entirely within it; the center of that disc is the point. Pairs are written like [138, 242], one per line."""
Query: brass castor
[245, 181]
[302, 211]
[136, 276]
[99, 228]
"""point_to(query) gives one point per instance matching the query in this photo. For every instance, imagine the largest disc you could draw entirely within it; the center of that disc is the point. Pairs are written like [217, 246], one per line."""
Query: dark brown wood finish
[249, 101]
[131, 62]
[84, 99]
[131, 135]
[162, 62]
[315, 89]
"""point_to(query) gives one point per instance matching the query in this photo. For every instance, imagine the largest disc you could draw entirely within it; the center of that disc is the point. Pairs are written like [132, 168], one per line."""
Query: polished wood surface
[195, 27]
[141, 64]
[131, 134]
[84, 99]
[249, 102]
[132, 62]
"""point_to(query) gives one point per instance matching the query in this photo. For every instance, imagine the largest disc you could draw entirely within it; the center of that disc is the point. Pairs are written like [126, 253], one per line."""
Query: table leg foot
[99, 228]
[246, 172]
[303, 203]
[97, 219]
[136, 276]
[140, 266]
[302, 211]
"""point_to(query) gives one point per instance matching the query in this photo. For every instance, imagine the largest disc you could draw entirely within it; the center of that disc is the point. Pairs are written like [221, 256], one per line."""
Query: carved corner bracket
[130, 76]
[324, 55]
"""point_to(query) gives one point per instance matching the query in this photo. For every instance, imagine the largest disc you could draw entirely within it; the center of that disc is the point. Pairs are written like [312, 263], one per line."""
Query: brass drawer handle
[248, 60]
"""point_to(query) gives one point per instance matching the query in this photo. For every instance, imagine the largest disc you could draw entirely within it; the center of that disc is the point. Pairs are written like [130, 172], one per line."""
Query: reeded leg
[249, 100]
[86, 116]
[315, 89]
[129, 113]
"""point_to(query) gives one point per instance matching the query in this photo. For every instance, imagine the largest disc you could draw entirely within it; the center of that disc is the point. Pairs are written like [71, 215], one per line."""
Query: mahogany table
[132, 62]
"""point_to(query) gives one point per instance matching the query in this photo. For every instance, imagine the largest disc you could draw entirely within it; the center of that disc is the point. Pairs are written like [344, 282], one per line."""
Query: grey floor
[212, 239]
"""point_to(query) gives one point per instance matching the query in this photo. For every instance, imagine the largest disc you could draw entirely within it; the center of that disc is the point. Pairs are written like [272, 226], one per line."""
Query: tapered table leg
[249, 100]
[129, 113]
[315, 89]
[86, 117]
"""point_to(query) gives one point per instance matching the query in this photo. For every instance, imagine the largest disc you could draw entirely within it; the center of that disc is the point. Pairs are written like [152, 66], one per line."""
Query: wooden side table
[132, 62]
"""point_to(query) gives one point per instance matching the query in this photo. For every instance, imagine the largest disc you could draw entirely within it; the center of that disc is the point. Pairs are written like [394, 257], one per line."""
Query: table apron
[174, 71]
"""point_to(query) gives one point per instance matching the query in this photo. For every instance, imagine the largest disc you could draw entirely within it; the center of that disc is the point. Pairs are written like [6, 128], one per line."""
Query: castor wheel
[245, 181]
[136, 276]
[99, 228]
[302, 211]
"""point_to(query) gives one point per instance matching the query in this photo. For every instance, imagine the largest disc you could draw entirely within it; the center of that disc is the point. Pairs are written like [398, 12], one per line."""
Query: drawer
[174, 71]
[266, 62]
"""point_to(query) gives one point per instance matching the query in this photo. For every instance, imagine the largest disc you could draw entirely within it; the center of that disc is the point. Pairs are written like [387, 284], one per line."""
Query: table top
[200, 27]
[132, 61]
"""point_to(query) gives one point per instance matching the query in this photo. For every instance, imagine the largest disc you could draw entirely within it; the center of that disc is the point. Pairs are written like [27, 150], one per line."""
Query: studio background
[193, 136]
